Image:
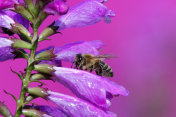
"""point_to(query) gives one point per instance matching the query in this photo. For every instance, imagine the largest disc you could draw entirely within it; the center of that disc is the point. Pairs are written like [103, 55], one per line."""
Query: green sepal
[45, 55]
[30, 5]
[21, 44]
[30, 98]
[32, 113]
[20, 53]
[44, 68]
[50, 30]
[41, 17]
[20, 9]
[40, 77]
[38, 92]
[21, 31]
[4, 111]
[40, 4]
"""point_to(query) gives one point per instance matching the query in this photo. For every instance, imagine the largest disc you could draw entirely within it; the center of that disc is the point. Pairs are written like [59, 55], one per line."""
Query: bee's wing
[105, 56]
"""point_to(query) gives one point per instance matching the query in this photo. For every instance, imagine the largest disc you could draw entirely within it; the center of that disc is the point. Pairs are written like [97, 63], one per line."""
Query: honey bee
[91, 62]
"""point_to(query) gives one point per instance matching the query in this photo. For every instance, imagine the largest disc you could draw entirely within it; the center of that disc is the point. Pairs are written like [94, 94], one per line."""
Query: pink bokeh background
[143, 36]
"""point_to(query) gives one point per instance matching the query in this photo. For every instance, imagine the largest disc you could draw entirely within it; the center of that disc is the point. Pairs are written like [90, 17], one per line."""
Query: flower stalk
[25, 82]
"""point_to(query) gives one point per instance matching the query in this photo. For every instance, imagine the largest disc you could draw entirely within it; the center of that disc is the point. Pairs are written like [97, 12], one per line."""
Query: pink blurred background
[143, 35]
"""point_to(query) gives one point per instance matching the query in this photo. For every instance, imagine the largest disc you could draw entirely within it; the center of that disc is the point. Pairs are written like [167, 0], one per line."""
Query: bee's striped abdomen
[106, 69]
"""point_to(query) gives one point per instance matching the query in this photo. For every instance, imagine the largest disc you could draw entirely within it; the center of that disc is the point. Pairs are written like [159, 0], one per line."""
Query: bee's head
[79, 58]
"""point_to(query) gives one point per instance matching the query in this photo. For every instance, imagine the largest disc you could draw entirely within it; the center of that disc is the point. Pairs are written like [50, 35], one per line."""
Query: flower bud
[50, 30]
[4, 111]
[44, 68]
[45, 55]
[40, 4]
[30, 5]
[21, 30]
[30, 98]
[40, 18]
[21, 44]
[23, 12]
[32, 113]
[40, 77]
[38, 92]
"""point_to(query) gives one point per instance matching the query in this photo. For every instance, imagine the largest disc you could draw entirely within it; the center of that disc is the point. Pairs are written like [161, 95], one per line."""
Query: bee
[91, 62]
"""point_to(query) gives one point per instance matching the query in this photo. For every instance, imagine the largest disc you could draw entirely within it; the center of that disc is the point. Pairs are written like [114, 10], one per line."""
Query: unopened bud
[23, 12]
[30, 98]
[40, 77]
[44, 68]
[50, 30]
[32, 113]
[30, 5]
[41, 17]
[21, 44]
[4, 111]
[40, 4]
[21, 30]
[38, 92]
[48, 54]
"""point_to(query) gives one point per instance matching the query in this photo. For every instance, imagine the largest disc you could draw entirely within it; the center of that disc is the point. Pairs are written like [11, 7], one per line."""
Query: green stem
[25, 82]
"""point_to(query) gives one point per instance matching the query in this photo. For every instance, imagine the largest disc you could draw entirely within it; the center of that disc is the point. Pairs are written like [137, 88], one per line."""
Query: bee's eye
[80, 58]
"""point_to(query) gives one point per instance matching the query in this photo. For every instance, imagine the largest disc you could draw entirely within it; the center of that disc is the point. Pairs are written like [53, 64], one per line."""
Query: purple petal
[69, 51]
[75, 107]
[90, 87]
[6, 20]
[8, 17]
[86, 13]
[51, 111]
[5, 49]
[56, 7]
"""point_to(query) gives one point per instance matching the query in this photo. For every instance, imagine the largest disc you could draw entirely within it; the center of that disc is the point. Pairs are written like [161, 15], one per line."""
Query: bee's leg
[99, 72]
[76, 65]
[81, 67]
[91, 68]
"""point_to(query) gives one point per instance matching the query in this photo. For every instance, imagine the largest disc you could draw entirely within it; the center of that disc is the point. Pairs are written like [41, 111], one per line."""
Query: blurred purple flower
[75, 107]
[5, 4]
[90, 87]
[58, 7]
[69, 51]
[5, 49]
[8, 17]
[86, 13]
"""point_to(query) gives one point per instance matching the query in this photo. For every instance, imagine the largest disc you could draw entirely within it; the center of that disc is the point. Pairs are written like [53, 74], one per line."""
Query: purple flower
[56, 7]
[75, 107]
[90, 87]
[5, 49]
[86, 13]
[69, 51]
[8, 17]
